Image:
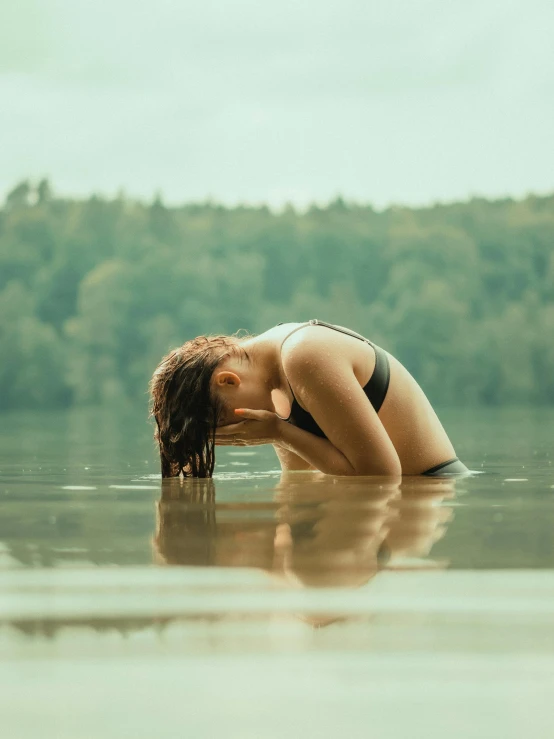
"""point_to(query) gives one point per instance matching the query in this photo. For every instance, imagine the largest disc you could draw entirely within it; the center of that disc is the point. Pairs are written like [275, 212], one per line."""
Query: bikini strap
[312, 322]
[316, 322]
[347, 331]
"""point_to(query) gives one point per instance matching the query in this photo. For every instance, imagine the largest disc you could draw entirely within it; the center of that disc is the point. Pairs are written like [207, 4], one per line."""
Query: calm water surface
[262, 605]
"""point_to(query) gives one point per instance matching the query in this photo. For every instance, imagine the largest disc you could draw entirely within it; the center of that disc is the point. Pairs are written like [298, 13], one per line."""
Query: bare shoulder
[324, 349]
[307, 339]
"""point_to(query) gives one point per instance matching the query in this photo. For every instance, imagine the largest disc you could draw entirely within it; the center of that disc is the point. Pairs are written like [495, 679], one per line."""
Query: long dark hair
[186, 528]
[185, 411]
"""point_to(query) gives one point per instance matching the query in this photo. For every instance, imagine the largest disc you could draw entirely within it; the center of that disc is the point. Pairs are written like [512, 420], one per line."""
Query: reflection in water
[318, 531]
[269, 558]
[78, 516]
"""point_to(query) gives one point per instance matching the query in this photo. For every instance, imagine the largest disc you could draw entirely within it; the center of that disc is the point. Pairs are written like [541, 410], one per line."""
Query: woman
[327, 398]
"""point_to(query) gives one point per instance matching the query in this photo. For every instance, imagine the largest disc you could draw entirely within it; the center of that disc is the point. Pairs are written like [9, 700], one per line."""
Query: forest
[94, 291]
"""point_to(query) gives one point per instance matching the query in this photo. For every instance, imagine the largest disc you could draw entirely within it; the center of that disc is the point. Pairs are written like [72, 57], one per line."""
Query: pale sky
[252, 100]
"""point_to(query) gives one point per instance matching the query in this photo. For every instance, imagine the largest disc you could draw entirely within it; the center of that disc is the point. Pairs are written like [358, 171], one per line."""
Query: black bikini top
[375, 389]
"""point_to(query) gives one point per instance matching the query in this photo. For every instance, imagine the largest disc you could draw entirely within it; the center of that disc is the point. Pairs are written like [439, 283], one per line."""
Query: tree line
[94, 291]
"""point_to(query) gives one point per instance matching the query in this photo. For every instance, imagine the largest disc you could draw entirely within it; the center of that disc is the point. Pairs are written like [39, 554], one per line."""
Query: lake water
[254, 605]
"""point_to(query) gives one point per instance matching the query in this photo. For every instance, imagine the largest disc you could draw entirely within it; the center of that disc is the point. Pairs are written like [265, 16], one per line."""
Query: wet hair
[186, 526]
[185, 411]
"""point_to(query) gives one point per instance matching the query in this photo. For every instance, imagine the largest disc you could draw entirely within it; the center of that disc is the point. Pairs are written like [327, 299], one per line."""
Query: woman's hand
[258, 427]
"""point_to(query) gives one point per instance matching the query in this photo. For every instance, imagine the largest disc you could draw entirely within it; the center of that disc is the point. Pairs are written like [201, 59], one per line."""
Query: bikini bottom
[451, 467]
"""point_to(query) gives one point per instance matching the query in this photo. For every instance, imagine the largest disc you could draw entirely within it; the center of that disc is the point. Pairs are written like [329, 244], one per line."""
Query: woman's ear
[226, 377]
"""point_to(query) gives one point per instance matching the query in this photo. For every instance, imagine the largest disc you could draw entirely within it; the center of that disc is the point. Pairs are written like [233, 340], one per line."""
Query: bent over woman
[326, 397]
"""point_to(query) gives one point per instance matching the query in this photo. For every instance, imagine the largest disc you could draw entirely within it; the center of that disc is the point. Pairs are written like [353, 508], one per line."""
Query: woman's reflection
[318, 531]
[332, 532]
[192, 530]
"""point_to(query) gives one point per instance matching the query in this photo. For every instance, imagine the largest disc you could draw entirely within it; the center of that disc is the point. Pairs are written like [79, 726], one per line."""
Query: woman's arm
[357, 442]
[315, 451]
[297, 449]
[290, 461]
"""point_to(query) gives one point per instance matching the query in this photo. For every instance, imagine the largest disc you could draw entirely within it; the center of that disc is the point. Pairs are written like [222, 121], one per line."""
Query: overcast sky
[405, 102]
